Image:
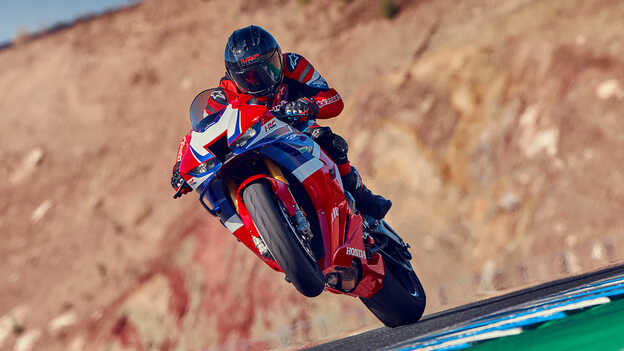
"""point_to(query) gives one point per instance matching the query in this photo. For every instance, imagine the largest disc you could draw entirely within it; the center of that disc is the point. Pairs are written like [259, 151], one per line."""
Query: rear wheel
[274, 227]
[401, 300]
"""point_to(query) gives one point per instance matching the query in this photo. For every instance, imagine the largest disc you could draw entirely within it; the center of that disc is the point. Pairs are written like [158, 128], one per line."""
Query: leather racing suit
[302, 81]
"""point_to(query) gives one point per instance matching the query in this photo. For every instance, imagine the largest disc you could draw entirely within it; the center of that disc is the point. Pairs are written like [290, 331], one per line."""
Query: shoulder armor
[291, 61]
[218, 95]
[299, 69]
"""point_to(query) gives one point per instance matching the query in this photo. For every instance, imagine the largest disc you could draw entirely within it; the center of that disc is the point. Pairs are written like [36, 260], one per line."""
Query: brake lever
[179, 191]
[292, 118]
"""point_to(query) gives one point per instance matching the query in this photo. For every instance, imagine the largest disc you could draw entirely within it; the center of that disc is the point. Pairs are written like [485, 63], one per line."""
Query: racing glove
[177, 182]
[300, 110]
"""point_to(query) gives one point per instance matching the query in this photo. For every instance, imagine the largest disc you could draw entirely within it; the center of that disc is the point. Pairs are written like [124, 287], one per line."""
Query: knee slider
[335, 145]
[320, 134]
[339, 144]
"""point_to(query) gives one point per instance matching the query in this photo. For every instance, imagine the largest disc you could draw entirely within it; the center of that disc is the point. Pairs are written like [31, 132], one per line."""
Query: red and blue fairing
[222, 148]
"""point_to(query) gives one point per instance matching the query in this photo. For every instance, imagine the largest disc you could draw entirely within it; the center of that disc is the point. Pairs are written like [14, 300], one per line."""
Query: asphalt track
[385, 337]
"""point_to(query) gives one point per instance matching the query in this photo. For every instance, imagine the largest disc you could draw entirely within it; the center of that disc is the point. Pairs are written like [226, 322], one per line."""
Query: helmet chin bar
[268, 92]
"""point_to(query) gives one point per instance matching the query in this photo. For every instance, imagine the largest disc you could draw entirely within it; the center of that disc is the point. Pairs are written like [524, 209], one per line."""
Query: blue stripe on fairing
[201, 158]
[568, 297]
[285, 155]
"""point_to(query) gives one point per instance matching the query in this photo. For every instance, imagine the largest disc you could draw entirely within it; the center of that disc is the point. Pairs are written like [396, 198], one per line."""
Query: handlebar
[179, 191]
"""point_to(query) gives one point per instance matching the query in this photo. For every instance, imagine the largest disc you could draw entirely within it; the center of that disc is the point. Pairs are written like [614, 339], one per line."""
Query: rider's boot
[368, 203]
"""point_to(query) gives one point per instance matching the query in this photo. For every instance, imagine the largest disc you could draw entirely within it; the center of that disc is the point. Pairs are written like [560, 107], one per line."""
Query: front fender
[279, 188]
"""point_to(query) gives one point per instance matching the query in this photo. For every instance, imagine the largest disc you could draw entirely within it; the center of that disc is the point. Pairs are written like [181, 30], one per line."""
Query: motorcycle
[280, 195]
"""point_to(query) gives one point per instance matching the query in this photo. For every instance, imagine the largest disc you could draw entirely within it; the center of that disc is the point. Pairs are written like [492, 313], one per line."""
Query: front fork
[234, 188]
[295, 215]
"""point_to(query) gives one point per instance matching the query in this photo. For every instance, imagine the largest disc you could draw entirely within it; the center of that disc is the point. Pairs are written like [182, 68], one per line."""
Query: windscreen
[200, 119]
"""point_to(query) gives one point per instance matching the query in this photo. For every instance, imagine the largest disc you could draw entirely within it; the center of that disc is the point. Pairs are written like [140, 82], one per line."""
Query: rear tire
[401, 300]
[278, 235]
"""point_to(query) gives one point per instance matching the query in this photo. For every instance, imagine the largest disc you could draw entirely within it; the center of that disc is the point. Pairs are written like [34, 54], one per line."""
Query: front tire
[401, 300]
[279, 236]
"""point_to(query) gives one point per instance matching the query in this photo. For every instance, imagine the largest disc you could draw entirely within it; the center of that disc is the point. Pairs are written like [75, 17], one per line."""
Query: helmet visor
[260, 77]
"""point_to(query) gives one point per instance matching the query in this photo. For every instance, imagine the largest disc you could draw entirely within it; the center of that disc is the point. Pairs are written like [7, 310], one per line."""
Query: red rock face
[127, 334]
[493, 126]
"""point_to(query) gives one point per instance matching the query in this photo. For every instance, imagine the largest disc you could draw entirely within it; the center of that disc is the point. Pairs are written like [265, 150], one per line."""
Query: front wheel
[401, 300]
[278, 234]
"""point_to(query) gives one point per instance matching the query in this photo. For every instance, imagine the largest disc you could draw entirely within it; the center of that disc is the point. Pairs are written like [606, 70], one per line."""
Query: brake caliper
[303, 226]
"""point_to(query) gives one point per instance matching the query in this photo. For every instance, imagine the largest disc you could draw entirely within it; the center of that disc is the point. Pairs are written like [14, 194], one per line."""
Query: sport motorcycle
[280, 195]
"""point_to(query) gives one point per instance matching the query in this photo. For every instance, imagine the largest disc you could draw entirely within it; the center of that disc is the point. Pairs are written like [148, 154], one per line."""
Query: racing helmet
[253, 60]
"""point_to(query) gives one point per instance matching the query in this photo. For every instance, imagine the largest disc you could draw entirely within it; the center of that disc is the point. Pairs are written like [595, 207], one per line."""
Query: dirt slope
[493, 125]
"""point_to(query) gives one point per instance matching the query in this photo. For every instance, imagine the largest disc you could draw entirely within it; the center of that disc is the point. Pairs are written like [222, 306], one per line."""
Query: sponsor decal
[245, 60]
[182, 148]
[293, 60]
[270, 126]
[328, 101]
[334, 213]
[356, 252]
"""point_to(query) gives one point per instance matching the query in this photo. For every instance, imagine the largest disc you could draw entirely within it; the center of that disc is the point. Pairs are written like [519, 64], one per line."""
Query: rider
[296, 93]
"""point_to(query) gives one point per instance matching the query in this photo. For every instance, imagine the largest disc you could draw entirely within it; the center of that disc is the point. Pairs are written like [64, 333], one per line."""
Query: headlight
[245, 137]
[205, 167]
